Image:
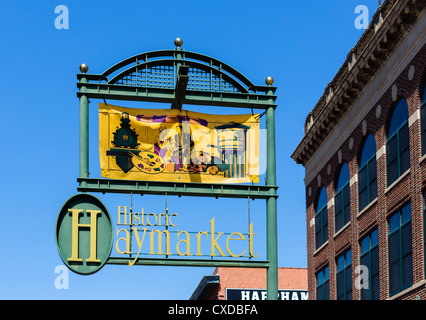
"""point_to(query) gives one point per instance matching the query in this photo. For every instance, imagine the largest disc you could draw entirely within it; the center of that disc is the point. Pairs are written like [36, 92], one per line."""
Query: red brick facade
[408, 188]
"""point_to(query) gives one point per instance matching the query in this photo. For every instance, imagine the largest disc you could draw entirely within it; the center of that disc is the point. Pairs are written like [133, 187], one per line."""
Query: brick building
[250, 284]
[364, 154]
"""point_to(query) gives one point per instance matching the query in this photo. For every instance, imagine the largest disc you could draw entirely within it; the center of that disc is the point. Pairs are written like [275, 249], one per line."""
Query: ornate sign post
[84, 231]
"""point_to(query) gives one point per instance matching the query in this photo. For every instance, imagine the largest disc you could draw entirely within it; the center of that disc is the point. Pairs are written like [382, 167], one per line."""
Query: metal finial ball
[269, 81]
[178, 42]
[84, 68]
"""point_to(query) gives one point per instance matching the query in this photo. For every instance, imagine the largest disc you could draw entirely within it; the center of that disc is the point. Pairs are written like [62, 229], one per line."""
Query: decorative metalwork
[154, 76]
[182, 77]
[162, 74]
[207, 81]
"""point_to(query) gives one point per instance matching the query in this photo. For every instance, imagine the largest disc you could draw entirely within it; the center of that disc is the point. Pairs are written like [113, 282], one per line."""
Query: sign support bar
[271, 206]
[84, 131]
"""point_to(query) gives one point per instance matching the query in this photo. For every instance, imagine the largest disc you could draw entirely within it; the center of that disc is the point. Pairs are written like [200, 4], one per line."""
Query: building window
[323, 287]
[423, 118]
[397, 146]
[424, 228]
[400, 250]
[342, 211]
[367, 174]
[344, 276]
[370, 259]
[321, 219]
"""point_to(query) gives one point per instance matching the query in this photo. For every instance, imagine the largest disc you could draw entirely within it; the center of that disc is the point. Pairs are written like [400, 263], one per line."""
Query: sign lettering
[85, 236]
[138, 225]
[75, 213]
[261, 294]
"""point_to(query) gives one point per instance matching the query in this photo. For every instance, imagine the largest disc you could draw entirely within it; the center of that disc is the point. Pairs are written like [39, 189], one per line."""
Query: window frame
[397, 135]
[424, 228]
[401, 256]
[324, 286]
[370, 181]
[372, 249]
[345, 274]
[423, 119]
[342, 192]
[322, 214]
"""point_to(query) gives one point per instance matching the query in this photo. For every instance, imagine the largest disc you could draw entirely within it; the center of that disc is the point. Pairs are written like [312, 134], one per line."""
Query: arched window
[397, 146]
[342, 212]
[321, 219]
[423, 117]
[367, 174]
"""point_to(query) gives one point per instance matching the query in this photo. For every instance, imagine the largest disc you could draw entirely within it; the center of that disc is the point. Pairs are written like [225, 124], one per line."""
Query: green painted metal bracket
[190, 262]
[165, 95]
[177, 188]
[182, 83]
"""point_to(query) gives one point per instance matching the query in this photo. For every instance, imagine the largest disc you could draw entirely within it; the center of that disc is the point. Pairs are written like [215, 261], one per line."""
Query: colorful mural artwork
[178, 145]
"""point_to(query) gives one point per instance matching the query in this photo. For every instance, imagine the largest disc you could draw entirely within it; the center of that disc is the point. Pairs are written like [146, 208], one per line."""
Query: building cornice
[389, 25]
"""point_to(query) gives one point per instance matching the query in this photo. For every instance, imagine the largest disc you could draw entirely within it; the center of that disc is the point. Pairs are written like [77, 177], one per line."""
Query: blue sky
[301, 44]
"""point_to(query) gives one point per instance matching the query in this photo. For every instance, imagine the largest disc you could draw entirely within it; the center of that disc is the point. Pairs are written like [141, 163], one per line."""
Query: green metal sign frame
[182, 77]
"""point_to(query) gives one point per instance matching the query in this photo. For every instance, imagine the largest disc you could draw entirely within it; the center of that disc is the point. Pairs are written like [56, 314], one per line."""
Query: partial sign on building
[261, 294]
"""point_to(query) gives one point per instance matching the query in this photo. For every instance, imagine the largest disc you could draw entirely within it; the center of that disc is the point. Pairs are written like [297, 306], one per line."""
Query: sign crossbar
[190, 262]
[176, 188]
